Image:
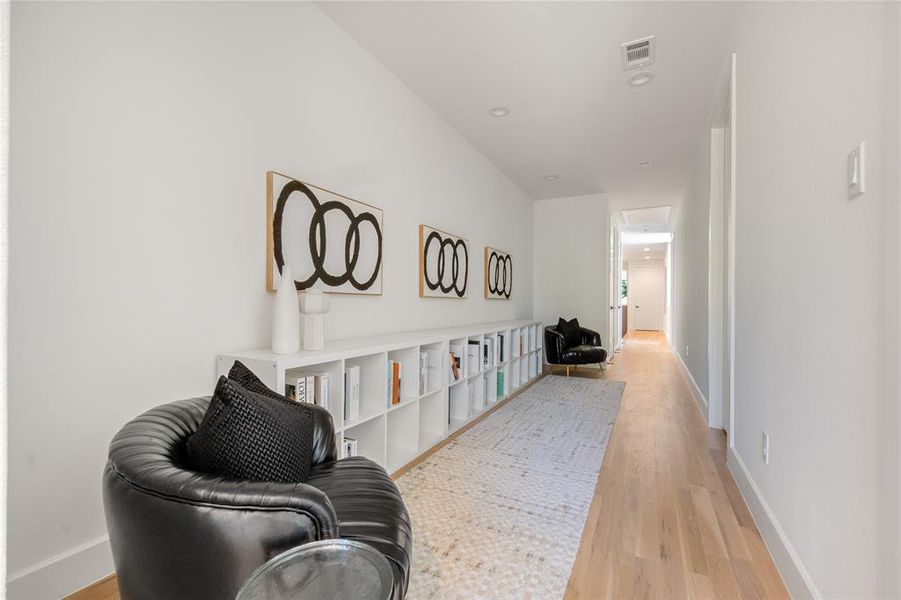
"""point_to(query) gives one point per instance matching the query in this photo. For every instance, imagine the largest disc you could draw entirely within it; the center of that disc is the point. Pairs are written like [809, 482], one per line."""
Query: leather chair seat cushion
[370, 510]
[583, 354]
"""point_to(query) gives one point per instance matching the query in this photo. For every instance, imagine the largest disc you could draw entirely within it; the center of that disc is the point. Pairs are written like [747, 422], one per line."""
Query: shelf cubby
[373, 385]
[436, 367]
[370, 436]
[403, 435]
[458, 406]
[432, 419]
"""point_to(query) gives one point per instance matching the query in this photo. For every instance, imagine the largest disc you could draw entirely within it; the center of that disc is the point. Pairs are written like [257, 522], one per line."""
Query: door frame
[615, 319]
[659, 265]
[721, 260]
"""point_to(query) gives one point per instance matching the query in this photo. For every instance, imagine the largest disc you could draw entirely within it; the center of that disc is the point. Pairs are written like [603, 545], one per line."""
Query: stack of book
[350, 447]
[352, 393]
[394, 381]
[311, 388]
[500, 383]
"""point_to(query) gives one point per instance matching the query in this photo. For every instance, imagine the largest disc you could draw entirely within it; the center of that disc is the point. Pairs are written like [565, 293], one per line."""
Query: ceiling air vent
[639, 53]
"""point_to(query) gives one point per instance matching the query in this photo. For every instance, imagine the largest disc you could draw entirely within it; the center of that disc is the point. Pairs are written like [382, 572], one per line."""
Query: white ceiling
[637, 251]
[557, 66]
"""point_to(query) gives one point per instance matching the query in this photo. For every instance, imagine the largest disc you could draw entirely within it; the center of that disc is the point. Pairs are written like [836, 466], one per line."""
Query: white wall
[690, 272]
[140, 138]
[810, 290]
[571, 261]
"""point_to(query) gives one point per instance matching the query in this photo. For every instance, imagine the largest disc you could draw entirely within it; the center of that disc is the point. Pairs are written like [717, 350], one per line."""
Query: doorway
[647, 295]
[721, 262]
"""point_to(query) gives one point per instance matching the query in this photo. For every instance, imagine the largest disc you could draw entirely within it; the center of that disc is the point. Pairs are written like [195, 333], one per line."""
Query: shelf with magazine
[432, 363]
[402, 377]
[456, 357]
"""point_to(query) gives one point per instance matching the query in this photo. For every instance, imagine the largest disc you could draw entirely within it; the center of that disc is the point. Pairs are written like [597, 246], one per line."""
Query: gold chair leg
[567, 370]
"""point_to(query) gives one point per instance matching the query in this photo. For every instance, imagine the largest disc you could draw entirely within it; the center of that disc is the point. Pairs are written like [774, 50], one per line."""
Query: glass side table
[323, 569]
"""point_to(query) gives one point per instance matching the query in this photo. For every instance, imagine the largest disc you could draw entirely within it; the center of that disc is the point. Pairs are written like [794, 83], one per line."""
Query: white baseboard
[64, 573]
[695, 389]
[796, 577]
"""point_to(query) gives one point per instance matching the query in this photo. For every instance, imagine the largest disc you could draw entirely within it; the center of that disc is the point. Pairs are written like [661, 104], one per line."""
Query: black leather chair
[177, 533]
[588, 351]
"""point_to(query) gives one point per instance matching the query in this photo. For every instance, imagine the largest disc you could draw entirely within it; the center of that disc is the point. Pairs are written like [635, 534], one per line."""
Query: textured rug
[499, 511]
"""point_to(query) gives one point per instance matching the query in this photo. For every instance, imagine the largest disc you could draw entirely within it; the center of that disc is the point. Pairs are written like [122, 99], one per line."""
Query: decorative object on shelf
[498, 274]
[314, 304]
[443, 264]
[329, 239]
[286, 317]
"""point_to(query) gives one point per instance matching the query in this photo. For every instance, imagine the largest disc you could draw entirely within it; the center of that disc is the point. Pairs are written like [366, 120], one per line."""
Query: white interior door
[646, 297]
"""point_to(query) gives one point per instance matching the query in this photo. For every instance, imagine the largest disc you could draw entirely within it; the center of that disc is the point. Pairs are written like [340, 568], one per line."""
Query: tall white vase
[313, 304]
[286, 316]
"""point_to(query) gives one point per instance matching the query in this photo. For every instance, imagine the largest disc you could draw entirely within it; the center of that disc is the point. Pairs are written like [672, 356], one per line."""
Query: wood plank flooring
[667, 520]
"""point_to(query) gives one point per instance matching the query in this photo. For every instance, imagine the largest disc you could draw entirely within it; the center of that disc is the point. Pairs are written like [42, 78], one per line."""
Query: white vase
[286, 316]
[313, 304]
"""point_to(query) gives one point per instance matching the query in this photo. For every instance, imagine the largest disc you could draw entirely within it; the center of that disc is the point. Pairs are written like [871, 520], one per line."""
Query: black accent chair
[177, 533]
[588, 351]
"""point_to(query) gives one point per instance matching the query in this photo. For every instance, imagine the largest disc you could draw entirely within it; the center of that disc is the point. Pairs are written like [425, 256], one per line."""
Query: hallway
[667, 520]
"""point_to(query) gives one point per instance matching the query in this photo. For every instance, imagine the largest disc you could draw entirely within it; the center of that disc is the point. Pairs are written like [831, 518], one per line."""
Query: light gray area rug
[499, 511]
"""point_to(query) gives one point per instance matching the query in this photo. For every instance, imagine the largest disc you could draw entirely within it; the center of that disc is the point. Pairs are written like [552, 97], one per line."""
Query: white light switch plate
[857, 181]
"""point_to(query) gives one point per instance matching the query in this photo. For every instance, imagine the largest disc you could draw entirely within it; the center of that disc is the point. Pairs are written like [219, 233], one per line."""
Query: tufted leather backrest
[176, 533]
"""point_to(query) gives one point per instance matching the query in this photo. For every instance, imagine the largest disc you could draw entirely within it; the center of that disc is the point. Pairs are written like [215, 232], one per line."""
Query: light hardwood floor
[667, 520]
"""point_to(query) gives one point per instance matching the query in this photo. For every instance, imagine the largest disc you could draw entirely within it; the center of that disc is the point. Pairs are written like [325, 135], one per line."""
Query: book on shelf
[350, 447]
[300, 389]
[456, 372]
[320, 389]
[472, 355]
[487, 352]
[394, 382]
[352, 393]
[423, 372]
[500, 348]
[500, 384]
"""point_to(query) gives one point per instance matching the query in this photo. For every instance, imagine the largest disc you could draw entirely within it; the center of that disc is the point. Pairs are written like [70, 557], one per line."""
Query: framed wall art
[443, 264]
[331, 241]
[498, 274]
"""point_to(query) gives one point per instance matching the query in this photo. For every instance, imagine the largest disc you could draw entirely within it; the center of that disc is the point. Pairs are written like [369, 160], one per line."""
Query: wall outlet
[765, 447]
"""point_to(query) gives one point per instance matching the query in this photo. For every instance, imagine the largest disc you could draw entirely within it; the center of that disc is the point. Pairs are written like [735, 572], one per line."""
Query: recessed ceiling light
[641, 78]
[643, 164]
[552, 177]
[647, 258]
[647, 249]
[499, 111]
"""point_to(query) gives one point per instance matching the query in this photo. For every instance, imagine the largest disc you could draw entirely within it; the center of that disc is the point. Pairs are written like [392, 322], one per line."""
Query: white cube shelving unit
[394, 435]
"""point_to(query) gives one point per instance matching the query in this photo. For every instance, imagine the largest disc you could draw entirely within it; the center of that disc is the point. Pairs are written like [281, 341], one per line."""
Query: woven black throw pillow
[570, 330]
[252, 436]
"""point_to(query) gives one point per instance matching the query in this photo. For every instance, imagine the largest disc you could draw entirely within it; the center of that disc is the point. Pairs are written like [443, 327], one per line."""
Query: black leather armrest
[553, 345]
[325, 448]
[589, 337]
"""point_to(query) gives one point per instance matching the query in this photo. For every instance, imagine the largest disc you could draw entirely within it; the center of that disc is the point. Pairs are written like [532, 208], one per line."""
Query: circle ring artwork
[457, 258]
[501, 284]
[317, 238]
